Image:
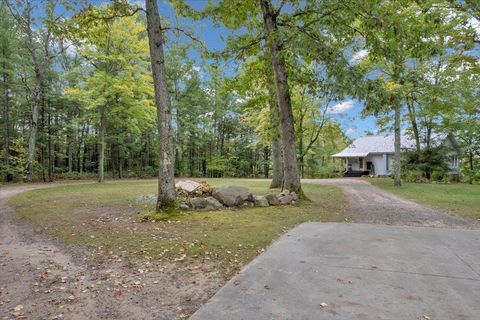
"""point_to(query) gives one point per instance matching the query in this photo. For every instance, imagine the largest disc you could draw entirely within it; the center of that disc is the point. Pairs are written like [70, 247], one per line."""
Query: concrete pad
[357, 271]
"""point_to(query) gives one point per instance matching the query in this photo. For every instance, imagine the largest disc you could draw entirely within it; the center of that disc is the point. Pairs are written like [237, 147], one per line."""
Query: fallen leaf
[18, 308]
[267, 287]
[323, 304]
[236, 282]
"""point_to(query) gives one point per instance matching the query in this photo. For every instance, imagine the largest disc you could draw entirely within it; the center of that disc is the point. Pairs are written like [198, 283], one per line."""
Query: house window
[387, 164]
[360, 163]
[455, 161]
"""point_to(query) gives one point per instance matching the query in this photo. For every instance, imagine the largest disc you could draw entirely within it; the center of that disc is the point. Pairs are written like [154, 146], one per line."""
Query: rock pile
[202, 197]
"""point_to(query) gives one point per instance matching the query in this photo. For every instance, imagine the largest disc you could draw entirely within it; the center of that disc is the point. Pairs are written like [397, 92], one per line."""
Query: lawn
[459, 198]
[105, 219]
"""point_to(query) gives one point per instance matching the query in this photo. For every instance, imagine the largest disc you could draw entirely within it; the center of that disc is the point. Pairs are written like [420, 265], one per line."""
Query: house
[373, 155]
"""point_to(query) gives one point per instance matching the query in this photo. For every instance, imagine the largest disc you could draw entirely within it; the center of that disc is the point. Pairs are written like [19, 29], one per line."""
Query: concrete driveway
[357, 271]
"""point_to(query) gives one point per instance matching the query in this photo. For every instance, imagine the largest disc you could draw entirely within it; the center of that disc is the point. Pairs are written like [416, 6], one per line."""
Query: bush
[15, 169]
[437, 176]
[429, 164]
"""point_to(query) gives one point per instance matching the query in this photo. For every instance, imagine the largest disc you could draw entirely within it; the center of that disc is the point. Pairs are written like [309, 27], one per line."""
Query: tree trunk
[397, 180]
[51, 149]
[266, 160]
[6, 123]
[277, 165]
[101, 146]
[32, 140]
[166, 179]
[291, 180]
[413, 119]
[70, 155]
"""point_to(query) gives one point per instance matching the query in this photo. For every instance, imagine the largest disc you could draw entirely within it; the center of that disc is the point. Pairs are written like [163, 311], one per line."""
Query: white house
[373, 155]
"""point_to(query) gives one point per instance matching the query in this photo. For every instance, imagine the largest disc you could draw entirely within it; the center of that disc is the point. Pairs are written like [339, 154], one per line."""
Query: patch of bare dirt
[42, 279]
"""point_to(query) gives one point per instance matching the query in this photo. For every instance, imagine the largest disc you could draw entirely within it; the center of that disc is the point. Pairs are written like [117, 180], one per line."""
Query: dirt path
[370, 204]
[42, 279]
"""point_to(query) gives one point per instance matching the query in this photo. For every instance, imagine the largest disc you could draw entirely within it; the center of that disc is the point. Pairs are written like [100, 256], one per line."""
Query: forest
[120, 89]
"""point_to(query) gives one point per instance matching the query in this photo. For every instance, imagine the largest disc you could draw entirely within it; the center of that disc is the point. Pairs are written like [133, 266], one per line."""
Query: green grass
[459, 198]
[104, 218]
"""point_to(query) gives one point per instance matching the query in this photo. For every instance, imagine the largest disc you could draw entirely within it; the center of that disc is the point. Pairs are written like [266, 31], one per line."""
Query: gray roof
[379, 144]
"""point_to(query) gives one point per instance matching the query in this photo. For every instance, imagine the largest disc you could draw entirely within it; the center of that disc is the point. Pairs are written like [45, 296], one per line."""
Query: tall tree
[39, 43]
[156, 38]
[291, 175]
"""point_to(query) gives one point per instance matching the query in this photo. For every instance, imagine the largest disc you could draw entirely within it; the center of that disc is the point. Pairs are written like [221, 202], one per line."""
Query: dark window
[360, 163]
[387, 165]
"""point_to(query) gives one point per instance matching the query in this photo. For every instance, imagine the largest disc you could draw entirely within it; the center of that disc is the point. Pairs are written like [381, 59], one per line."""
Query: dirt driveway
[43, 279]
[370, 204]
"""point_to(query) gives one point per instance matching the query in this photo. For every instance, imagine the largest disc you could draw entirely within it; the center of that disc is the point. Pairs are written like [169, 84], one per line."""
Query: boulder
[205, 204]
[287, 199]
[232, 196]
[272, 199]
[199, 203]
[261, 201]
[183, 206]
[284, 193]
[294, 196]
[187, 185]
[213, 203]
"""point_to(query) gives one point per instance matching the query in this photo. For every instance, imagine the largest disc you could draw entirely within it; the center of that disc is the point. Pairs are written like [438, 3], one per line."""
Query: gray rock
[183, 206]
[272, 199]
[213, 203]
[294, 196]
[187, 185]
[261, 201]
[284, 193]
[287, 199]
[199, 203]
[232, 196]
[248, 204]
[205, 204]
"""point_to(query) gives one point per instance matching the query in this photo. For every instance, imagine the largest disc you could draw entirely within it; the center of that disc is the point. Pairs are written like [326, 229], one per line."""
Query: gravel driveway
[370, 204]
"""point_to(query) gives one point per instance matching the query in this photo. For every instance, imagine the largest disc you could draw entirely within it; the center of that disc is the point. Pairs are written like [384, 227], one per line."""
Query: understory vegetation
[106, 220]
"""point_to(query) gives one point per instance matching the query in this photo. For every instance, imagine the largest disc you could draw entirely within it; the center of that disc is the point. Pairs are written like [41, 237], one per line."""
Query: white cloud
[69, 47]
[359, 55]
[138, 3]
[341, 107]
[350, 131]
[475, 24]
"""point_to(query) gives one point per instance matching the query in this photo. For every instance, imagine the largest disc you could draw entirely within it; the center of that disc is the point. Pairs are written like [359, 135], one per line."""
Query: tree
[291, 175]
[166, 179]
[394, 44]
[39, 46]
[115, 82]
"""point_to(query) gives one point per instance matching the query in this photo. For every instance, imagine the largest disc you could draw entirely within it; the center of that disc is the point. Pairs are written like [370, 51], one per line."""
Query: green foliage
[428, 163]
[13, 170]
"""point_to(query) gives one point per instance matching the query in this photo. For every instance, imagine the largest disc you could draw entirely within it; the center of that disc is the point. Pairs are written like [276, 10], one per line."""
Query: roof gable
[361, 147]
